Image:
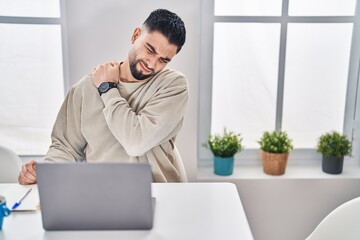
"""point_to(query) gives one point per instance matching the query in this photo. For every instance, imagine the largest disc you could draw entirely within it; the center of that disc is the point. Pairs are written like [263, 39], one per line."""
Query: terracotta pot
[274, 163]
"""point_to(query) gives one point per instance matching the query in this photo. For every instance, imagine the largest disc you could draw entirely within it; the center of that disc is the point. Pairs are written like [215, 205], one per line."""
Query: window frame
[61, 21]
[299, 156]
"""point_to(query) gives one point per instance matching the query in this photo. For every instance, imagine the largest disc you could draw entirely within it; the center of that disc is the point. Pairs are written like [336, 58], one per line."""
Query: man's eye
[149, 50]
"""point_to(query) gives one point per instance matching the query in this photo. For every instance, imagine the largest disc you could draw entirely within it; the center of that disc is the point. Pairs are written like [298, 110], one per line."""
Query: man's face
[150, 53]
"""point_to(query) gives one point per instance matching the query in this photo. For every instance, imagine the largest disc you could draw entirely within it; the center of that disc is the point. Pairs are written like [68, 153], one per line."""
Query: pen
[19, 202]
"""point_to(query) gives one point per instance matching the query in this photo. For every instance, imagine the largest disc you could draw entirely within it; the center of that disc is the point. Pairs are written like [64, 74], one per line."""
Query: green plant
[334, 144]
[275, 142]
[225, 145]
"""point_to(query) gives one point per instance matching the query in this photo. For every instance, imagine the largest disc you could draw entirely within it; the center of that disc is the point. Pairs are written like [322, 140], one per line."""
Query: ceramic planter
[223, 166]
[274, 163]
[332, 165]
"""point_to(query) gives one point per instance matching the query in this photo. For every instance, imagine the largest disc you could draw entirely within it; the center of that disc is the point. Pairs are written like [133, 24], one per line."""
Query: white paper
[14, 193]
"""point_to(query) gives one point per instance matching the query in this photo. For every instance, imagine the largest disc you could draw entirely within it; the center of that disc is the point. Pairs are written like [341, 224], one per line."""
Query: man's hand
[28, 173]
[107, 72]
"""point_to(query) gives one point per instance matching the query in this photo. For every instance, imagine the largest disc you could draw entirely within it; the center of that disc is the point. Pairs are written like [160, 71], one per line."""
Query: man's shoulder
[169, 75]
[84, 82]
[171, 72]
[83, 87]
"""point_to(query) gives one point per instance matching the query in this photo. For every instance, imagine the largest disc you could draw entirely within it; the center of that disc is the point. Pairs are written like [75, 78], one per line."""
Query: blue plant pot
[223, 166]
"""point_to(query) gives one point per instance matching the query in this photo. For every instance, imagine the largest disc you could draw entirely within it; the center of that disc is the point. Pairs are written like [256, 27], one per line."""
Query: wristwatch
[106, 86]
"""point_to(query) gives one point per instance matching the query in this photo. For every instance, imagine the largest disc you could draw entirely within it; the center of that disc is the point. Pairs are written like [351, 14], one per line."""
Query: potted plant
[224, 147]
[333, 146]
[275, 148]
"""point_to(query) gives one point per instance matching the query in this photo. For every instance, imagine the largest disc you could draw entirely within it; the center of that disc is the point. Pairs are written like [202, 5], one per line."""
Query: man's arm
[159, 121]
[67, 141]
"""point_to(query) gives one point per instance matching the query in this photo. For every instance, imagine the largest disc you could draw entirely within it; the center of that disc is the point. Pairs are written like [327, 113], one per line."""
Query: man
[127, 112]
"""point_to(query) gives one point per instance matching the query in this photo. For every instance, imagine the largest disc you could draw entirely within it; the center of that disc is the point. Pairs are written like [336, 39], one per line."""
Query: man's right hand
[107, 72]
[28, 173]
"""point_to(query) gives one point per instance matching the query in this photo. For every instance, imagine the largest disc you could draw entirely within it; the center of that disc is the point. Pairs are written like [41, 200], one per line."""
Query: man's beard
[139, 75]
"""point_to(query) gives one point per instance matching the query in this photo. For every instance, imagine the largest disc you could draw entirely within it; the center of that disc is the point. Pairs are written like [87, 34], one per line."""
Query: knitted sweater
[135, 122]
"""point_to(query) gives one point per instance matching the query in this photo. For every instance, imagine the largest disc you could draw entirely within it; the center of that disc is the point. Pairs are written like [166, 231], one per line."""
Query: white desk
[201, 211]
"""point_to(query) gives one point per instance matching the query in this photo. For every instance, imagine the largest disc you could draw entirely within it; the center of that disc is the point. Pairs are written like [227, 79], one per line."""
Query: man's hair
[169, 24]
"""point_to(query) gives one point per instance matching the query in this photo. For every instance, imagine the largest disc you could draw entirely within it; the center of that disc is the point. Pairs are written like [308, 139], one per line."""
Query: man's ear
[135, 35]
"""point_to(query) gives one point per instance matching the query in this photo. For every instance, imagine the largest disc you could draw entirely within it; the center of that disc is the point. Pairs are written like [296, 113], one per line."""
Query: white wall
[99, 31]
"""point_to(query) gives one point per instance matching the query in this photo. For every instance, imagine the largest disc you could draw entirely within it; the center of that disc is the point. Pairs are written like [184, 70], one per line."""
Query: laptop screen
[95, 196]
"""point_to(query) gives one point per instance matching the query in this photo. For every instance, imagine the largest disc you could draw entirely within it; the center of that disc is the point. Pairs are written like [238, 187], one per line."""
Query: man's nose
[151, 62]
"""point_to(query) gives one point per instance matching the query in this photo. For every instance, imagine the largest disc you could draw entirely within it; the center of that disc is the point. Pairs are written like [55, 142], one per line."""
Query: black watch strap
[106, 86]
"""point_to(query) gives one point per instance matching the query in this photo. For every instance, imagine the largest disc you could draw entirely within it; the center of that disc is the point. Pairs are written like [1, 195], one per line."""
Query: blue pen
[19, 202]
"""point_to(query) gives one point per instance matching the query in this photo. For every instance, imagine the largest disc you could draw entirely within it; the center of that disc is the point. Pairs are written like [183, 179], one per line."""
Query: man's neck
[125, 74]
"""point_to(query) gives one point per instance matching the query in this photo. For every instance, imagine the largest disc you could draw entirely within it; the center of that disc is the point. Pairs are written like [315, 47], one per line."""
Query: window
[32, 72]
[269, 65]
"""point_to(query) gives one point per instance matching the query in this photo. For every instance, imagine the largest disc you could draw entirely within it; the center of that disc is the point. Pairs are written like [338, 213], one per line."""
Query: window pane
[32, 82]
[317, 63]
[30, 8]
[248, 7]
[245, 78]
[322, 7]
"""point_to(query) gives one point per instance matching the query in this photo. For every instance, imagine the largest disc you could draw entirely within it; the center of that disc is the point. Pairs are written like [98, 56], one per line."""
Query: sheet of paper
[14, 193]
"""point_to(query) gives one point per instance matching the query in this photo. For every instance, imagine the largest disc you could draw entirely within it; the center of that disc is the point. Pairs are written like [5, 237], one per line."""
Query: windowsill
[303, 171]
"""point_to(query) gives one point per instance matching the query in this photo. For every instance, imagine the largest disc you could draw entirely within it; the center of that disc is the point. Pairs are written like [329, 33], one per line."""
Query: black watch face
[104, 87]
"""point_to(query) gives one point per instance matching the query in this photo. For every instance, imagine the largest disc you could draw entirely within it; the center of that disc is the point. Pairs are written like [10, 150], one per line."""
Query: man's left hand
[107, 72]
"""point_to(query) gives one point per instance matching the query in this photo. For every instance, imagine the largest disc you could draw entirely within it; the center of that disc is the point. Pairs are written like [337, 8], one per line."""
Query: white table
[208, 211]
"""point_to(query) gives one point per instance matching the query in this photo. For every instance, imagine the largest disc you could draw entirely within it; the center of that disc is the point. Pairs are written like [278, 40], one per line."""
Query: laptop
[95, 196]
